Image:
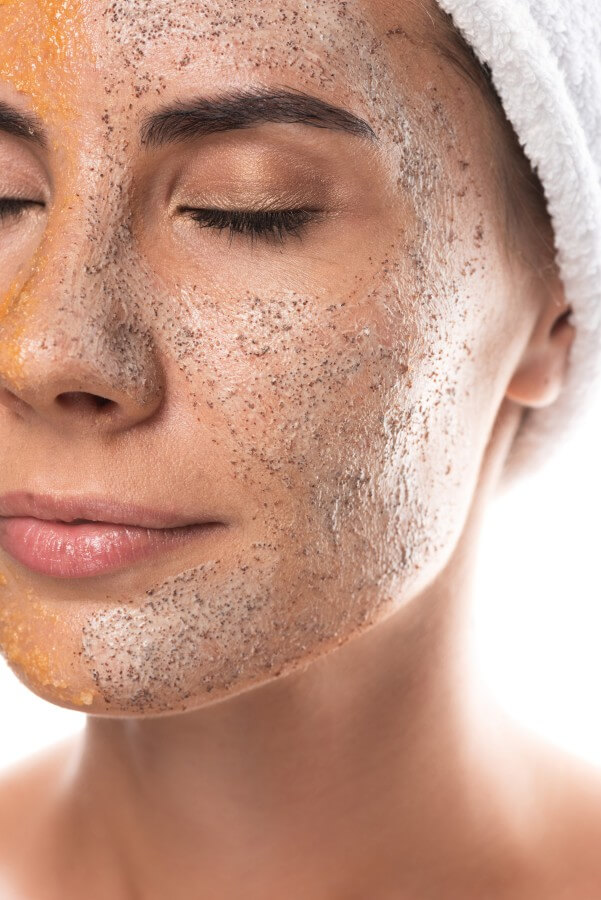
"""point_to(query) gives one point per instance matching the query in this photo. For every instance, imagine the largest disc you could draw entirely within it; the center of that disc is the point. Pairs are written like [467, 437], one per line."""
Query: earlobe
[540, 376]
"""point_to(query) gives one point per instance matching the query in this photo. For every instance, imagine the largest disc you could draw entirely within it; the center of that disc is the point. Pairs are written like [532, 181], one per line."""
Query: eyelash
[271, 225]
[14, 207]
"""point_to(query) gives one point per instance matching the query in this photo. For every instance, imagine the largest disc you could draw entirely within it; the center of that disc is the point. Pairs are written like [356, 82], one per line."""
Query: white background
[536, 615]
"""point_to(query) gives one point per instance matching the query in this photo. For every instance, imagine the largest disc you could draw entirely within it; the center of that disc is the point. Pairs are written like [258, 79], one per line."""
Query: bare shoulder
[29, 792]
[567, 794]
[25, 786]
[572, 787]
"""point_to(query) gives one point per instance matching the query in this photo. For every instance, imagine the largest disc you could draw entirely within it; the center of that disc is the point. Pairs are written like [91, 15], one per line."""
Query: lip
[40, 532]
[96, 509]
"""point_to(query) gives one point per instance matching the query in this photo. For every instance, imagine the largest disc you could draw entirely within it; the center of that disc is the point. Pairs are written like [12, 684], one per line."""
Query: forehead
[95, 52]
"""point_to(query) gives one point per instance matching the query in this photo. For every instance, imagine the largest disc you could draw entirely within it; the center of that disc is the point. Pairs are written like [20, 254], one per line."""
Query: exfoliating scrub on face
[232, 297]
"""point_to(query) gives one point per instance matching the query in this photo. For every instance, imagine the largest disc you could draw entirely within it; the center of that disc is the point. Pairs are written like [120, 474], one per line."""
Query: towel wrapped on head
[545, 62]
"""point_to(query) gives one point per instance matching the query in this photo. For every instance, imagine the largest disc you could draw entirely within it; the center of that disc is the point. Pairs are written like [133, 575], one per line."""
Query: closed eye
[272, 225]
[14, 207]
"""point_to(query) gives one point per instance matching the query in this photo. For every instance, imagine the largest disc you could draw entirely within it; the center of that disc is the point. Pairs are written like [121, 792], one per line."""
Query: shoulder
[566, 792]
[30, 793]
[28, 785]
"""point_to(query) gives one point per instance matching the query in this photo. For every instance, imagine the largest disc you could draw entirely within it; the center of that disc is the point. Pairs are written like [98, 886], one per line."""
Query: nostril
[561, 321]
[82, 399]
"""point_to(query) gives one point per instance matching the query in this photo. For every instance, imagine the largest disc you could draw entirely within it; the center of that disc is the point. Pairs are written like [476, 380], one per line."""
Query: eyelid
[16, 198]
[267, 224]
[24, 170]
[12, 207]
[240, 194]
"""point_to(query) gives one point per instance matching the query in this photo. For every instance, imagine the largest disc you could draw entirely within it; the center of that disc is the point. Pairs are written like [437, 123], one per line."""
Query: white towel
[545, 59]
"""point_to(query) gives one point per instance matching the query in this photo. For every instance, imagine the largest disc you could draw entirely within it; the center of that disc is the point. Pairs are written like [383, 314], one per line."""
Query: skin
[300, 688]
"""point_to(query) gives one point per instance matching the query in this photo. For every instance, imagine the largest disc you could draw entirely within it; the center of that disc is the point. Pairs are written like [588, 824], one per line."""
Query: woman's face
[324, 388]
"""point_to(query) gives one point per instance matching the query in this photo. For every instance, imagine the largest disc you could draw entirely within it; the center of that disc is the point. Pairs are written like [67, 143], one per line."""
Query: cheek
[346, 426]
[317, 412]
[332, 410]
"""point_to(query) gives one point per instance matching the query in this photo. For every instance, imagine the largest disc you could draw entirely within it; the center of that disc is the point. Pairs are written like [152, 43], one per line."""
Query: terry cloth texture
[545, 60]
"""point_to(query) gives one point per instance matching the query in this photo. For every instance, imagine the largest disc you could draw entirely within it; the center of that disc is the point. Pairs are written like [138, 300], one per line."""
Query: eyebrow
[231, 110]
[23, 125]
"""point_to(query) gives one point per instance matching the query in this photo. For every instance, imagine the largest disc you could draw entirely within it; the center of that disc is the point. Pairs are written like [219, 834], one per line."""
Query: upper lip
[91, 508]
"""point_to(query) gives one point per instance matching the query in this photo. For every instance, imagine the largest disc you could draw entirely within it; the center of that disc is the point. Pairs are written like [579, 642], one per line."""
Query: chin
[149, 694]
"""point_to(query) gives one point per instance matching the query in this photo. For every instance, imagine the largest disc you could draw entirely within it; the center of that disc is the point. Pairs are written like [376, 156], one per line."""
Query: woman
[280, 303]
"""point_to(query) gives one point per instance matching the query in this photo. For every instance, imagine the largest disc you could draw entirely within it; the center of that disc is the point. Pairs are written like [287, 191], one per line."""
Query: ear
[539, 378]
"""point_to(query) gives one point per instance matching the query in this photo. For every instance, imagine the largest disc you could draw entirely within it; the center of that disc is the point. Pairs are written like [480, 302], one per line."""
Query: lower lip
[75, 551]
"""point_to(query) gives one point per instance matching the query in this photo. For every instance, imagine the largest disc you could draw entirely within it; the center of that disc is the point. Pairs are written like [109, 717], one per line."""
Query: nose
[80, 360]
[76, 404]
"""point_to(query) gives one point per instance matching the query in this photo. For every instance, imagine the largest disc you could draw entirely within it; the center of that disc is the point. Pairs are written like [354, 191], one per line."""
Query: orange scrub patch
[41, 46]
[28, 644]
[39, 56]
